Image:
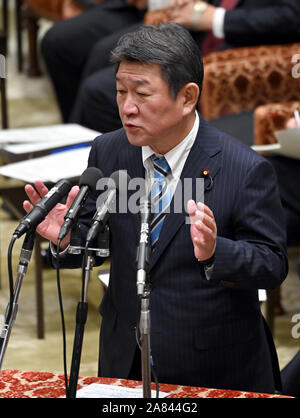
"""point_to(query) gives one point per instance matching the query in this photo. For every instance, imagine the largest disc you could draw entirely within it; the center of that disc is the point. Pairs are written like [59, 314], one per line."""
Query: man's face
[150, 115]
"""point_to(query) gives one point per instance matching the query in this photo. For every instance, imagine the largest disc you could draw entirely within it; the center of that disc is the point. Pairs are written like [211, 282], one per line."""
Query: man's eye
[120, 91]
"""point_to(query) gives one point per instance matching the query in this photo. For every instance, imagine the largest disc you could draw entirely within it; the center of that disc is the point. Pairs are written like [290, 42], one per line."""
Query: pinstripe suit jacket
[203, 333]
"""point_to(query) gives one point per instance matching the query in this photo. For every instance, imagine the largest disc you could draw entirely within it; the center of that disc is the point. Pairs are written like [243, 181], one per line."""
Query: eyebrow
[138, 81]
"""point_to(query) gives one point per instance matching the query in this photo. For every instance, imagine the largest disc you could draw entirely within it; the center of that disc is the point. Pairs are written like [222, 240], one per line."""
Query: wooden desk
[21, 384]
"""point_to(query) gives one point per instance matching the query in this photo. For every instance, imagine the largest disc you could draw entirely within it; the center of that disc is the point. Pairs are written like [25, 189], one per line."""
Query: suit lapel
[203, 155]
[130, 159]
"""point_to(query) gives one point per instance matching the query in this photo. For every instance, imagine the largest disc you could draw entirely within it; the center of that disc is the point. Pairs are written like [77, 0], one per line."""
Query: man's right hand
[51, 225]
[291, 123]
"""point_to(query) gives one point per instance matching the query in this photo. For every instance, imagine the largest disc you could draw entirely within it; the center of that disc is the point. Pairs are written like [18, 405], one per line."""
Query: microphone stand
[145, 343]
[82, 307]
[81, 316]
[143, 292]
[12, 307]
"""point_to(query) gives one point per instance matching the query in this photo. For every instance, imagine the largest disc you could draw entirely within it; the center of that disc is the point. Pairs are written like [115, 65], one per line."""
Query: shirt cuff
[53, 250]
[208, 271]
[208, 266]
[218, 23]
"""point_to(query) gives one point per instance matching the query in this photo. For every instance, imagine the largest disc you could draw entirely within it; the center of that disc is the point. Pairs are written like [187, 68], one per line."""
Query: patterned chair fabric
[242, 79]
[270, 118]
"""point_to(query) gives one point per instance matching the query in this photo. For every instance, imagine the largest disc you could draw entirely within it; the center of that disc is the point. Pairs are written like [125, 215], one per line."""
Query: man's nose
[129, 106]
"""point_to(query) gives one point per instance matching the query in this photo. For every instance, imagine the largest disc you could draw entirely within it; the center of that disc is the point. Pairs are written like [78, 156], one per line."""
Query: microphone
[143, 250]
[42, 208]
[87, 183]
[119, 179]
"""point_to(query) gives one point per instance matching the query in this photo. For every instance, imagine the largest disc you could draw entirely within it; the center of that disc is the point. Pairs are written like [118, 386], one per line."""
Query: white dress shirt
[176, 158]
[218, 23]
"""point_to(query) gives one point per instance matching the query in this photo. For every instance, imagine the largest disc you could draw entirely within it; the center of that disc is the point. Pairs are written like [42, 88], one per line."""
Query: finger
[204, 239]
[27, 206]
[199, 242]
[191, 207]
[41, 188]
[35, 195]
[71, 196]
[201, 245]
[204, 208]
[205, 230]
[208, 220]
[32, 194]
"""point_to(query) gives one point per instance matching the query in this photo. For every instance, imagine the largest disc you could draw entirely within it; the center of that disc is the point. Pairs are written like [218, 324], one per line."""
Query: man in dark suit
[206, 325]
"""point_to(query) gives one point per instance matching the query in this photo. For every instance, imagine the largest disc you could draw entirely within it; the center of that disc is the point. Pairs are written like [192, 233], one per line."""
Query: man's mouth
[131, 126]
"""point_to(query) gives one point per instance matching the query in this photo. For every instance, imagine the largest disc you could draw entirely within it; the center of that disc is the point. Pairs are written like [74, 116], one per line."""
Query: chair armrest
[270, 118]
[51, 10]
[55, 10]
[244, 78]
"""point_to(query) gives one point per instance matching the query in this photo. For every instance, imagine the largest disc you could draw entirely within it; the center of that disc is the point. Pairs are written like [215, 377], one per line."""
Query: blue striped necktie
[161, 196]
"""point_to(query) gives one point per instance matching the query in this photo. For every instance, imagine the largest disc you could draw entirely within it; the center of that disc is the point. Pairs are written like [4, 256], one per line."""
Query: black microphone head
[38, 213]
[90, 178]
[63, 187]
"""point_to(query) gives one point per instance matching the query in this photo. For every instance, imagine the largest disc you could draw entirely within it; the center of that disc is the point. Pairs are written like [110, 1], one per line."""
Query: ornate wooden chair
[242, 79]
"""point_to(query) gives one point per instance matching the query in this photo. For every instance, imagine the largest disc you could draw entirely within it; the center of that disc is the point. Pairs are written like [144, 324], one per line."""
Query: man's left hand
[203, 230]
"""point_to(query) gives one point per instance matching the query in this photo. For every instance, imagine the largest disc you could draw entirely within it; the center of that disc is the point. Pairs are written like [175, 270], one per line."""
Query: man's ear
[189, 95]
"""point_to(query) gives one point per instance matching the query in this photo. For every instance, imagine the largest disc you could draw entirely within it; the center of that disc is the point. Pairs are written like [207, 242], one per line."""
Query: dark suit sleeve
[264, 25]
[256, 255]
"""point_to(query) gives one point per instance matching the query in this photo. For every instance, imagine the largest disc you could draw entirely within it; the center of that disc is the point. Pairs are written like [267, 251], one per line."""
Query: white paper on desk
[288, 144]
[289, 139]
[43, 146]
[98, 390]
[63, 132]
[268, 148]
[51, 168]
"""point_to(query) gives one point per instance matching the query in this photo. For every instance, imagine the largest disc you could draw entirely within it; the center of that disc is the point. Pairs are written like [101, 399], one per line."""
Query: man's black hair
[169, 45]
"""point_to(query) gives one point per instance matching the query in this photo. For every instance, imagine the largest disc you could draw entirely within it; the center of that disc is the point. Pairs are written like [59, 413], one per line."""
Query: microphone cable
[10, 272]
[11, 282]
[84, 259]
[62, 317]
[67, 385]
